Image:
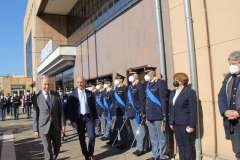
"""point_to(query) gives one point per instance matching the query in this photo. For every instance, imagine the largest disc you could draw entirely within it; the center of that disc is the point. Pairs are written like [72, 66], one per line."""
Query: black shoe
[110, 143]
[139, 153]
[122, 147]
[135, 152]
[104, 138]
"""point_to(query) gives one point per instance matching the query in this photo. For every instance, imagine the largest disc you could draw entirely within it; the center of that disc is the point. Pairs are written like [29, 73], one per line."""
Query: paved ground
[16, 142]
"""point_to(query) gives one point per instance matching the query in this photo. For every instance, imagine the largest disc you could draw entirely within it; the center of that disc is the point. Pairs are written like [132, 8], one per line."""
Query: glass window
[29, 55]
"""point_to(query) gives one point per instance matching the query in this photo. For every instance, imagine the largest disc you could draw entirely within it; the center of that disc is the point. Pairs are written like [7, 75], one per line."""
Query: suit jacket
[184, 112]
[45, 115]
[74, 105]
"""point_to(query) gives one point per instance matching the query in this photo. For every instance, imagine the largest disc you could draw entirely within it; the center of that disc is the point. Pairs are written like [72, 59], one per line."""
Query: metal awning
[57, 7]
[60, 59]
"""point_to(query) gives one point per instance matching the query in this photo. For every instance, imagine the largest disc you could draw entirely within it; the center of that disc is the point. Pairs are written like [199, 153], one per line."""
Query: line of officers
[10, 105]
[137, 114]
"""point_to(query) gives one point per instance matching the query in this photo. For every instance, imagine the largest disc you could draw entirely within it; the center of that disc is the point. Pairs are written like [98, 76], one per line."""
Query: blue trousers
[185, 143]
[139, 132]
[16, 112]
[103, 121]
[158, 140]
[3, 112]
[108, 128]
[29, 111]
[86, 124]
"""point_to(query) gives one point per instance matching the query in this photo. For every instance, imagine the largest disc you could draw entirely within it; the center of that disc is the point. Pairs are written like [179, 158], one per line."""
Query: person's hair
[182, 77]
[234, 56]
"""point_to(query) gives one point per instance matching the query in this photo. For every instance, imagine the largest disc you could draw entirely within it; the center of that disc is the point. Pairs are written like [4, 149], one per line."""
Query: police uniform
[15, 104]
[28, 105]
[3, 107]
[136, 96]
[108, 104]
[156, 103]
[100, 110]
[119, 114]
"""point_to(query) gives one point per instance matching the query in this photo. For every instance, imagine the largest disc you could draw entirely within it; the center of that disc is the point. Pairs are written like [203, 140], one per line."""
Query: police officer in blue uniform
[28, 104]
[155, 108]
[100, 108]
[108, 104]
[136, 97]
[120, 113]
[16, 104]
[3, 106]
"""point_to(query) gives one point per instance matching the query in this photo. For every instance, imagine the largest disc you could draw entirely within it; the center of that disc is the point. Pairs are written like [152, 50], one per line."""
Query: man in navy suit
[82, 114]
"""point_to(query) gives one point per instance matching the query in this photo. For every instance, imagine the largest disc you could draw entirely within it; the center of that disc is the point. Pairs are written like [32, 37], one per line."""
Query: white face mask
[105, 86]
[116, 82]
[233, 69]
[147, 78]
[131, 78]
[98, 87]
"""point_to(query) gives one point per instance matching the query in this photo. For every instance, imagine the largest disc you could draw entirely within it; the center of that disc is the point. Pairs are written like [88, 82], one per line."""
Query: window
[29, 55]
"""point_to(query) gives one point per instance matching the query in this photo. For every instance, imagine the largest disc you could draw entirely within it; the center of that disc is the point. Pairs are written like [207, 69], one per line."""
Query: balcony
[59, 60]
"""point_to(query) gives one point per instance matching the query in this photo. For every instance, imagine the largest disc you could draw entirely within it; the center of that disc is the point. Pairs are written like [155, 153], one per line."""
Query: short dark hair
[182, 77]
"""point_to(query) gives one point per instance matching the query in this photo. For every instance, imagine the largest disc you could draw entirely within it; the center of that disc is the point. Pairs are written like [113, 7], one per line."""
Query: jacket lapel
[43, 100]
[180, 95]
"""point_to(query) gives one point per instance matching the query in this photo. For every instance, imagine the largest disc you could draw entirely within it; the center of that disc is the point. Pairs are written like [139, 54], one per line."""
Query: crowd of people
[124, 115]
[131, 112]
[11, 105]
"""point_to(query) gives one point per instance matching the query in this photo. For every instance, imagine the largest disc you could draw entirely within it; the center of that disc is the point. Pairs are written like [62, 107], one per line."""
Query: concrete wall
[128, 41]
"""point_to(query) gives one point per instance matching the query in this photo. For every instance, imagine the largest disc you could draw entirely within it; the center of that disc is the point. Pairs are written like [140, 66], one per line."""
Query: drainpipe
[193, 69]
[160, 35]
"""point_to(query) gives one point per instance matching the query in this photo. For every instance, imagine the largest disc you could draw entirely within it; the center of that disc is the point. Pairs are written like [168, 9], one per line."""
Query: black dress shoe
[139, 153]
[135, 152]
[104, 138]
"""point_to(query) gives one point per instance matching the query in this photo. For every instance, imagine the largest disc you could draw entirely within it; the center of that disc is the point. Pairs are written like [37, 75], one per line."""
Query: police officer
[156, 103]
[136, 96]
[15, 105]
[8, 103]
[3, 106]
[108, 104]
[120, 113]
[100, 108]
[28, 104]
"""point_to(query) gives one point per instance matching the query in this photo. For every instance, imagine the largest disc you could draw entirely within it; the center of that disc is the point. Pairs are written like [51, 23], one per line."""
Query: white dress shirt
[45, 94]
[83, 102]
[178, 91]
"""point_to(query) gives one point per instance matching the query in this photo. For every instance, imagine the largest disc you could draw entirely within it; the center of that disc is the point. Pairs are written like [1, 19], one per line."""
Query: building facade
[95, 38]
[15, 84]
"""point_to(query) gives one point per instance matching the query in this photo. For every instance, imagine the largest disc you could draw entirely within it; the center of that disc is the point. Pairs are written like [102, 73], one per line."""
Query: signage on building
[47, 50]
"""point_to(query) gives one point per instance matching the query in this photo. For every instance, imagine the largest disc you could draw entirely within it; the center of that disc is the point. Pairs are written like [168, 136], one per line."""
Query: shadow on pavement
[109, 153]
[29, 149]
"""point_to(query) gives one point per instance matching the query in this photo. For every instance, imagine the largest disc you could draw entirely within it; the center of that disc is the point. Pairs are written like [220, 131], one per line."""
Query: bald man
[82, 113]
[47, 120]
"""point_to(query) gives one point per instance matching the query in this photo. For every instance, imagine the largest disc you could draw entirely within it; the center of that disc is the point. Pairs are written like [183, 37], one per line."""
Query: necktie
[48, 99]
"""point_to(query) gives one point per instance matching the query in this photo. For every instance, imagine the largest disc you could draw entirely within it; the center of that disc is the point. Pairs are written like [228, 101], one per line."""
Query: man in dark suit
[82, 113]
[47, 120]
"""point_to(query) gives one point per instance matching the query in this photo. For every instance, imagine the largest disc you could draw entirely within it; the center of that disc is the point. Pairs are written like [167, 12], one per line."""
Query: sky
[11, 36]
